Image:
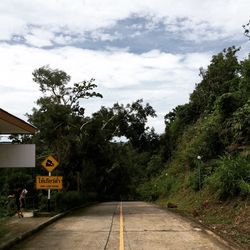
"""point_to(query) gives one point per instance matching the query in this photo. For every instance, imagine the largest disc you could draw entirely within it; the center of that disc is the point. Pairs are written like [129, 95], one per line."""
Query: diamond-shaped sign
[50, 163]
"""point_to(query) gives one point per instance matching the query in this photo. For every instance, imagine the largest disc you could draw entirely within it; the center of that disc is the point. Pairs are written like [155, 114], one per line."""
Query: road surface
[123, 226]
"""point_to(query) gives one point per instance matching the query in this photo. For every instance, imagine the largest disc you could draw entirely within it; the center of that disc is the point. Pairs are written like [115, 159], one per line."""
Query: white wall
[17, 155]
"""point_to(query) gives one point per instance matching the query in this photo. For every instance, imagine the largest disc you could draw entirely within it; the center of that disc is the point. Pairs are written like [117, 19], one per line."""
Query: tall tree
[59, 116]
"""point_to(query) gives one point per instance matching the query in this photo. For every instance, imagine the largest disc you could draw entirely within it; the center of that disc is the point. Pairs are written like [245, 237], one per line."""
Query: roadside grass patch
[242, 238]
[213, 219]
[230, 219]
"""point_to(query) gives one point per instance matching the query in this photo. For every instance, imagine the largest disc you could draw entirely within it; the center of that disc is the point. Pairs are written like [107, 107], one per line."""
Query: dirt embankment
[231, 219]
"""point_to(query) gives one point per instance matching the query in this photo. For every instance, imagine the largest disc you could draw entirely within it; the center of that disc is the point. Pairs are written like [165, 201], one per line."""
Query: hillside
[207, 172]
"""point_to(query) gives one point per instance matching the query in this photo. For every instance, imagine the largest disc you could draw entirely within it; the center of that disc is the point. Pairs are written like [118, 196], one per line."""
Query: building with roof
[15, 155]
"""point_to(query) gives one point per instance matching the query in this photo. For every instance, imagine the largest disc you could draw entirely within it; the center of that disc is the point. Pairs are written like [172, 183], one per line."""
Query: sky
[149, 49]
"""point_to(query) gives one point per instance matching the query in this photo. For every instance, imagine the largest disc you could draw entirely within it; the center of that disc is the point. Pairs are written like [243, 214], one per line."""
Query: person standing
[17, 194]
[21, 199]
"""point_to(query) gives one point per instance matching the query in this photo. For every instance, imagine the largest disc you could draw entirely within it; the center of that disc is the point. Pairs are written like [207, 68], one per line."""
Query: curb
[7, 245]
[12, 242]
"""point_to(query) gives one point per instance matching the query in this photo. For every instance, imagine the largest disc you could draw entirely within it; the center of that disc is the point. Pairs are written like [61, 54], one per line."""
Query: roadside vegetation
[201, 164]
[207, 173]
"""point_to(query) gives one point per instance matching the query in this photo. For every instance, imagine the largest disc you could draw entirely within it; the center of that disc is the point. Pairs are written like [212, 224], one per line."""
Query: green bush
[240, 124]
[201, 139]
[70, 199]
[231, 178]
[7, 206]
[146, 191]
[154, 165]
[169, 184]
[194, 181]
[228, 103]
[43, 201]
[200, 175]
[159, 187]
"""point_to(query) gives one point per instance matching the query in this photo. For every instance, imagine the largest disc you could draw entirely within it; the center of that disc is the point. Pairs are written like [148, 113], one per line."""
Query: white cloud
[102, 36]
[206, 19]
[162, 79]
[64, 39]
[11, 25]
[39, 37]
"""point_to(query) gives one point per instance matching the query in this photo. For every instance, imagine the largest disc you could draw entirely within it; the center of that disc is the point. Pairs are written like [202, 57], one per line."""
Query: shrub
[232, 177]
[201, 174]
[7, 206]
[170, 184]
[154, 165]
[228, 103]
[43, 201]
[70, 199]
[159, 187]
[240, 124]
[194, 181]
[146, 191]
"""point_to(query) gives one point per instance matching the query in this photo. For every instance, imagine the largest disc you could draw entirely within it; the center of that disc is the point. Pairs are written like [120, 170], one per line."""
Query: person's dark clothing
[17, 194]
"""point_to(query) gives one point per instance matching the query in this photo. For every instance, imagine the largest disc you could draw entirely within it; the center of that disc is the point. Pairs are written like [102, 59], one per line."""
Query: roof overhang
[10, 124]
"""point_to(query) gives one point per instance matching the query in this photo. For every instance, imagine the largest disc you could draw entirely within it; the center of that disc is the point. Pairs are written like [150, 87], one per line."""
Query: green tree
[59, 118]
[55, 84]
[221, 76]
[115, 174]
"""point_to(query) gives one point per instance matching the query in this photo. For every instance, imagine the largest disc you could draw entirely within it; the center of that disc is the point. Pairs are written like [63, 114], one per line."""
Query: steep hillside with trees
[207, 143]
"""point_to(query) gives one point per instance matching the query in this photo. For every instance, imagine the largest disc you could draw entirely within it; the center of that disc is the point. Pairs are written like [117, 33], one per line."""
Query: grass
[243, 239]
[214, 219]
[230, 219]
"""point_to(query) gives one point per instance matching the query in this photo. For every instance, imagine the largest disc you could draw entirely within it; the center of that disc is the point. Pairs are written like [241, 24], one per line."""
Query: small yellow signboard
[50, 163]
[49, 182]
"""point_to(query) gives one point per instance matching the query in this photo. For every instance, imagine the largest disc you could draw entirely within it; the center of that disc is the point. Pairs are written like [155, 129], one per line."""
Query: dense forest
[206, 141]
[204, 151]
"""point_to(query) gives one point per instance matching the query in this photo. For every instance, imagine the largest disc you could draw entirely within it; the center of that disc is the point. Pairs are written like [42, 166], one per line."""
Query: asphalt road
[126, 225]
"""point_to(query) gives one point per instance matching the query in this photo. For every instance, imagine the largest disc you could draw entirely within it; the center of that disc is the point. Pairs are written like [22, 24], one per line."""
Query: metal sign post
[49, 196]
[50, 163]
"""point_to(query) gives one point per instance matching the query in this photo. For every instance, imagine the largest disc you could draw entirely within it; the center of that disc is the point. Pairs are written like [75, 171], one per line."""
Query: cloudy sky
[150, 49]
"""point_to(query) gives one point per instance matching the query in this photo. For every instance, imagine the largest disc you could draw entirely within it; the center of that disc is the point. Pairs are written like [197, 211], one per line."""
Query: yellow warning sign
[50, 163]
[49, 182]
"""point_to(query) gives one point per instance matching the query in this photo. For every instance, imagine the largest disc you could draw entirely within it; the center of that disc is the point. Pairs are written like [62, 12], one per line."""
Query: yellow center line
[121, 229]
